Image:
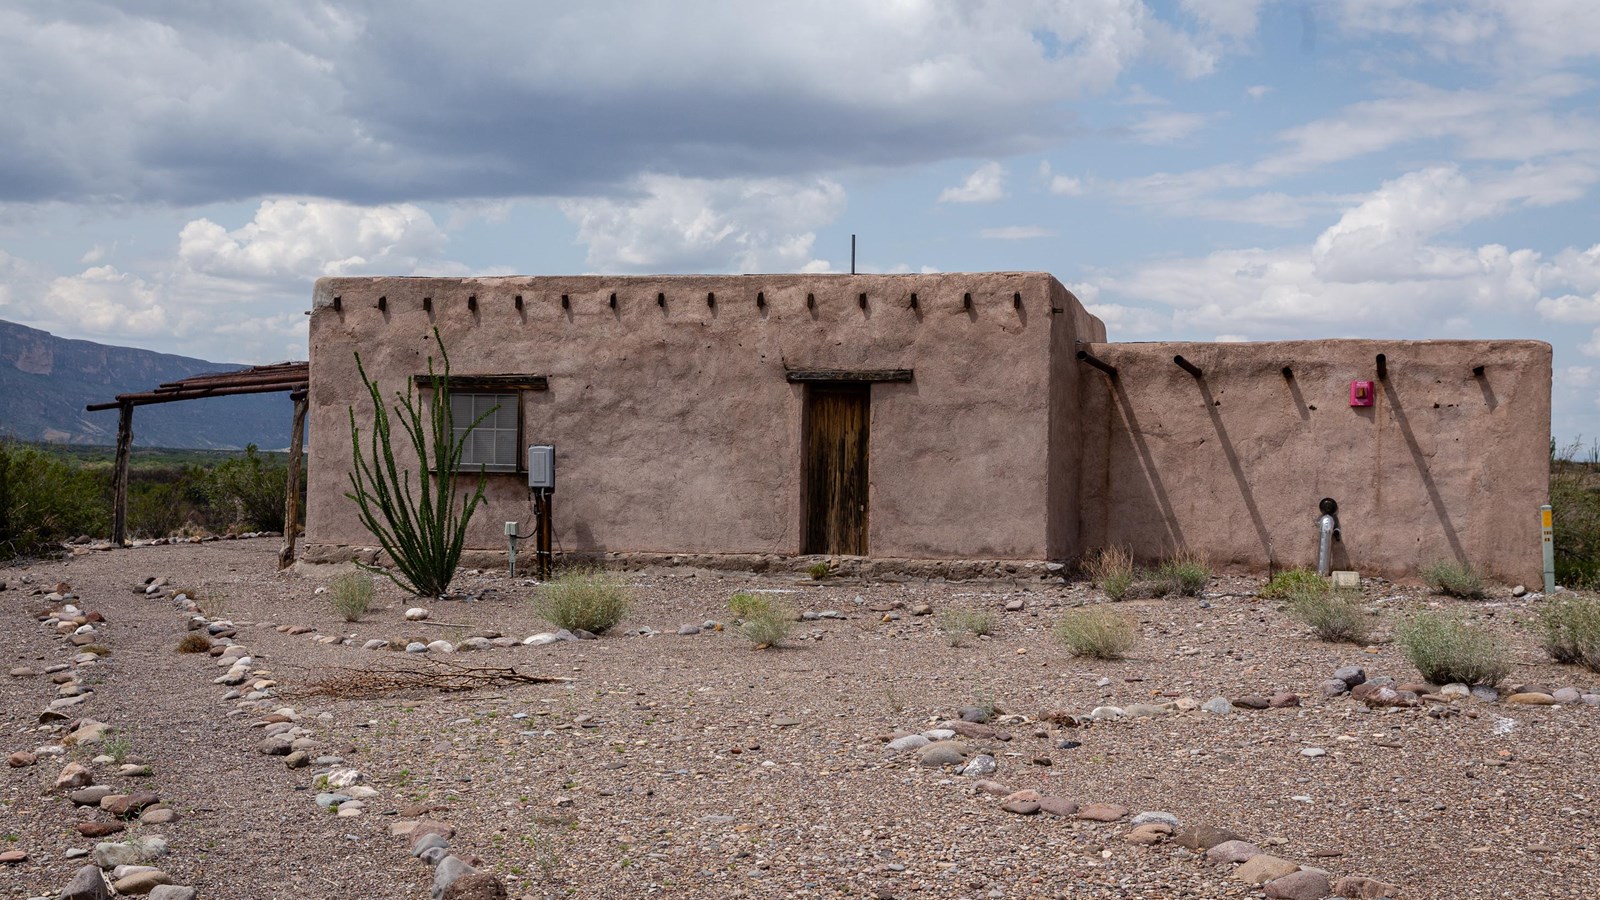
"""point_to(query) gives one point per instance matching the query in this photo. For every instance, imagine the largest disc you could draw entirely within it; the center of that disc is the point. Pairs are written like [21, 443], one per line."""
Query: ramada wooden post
[119, 480]
[291, 502]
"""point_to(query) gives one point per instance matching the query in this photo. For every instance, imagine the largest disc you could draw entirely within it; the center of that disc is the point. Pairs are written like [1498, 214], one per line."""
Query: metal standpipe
[1327, 533]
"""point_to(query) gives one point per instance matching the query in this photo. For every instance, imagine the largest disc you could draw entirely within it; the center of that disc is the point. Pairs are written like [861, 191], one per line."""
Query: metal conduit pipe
[1187, 366]
[1327, 533]
[1098, 363]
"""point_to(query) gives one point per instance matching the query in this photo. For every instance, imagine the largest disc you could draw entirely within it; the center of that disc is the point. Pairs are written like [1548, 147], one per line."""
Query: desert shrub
[1185, 573]
[1292, 583]
[194, 642]
[1111, 569]
[1570, 630]
[1334, 616]
[817, 571]
[350, 594]
[45, 500]
[1454, 579]
[1446, 649]
[956, 624]
[744, 605]
[590, 600]
[768, 626]
[250, 490]
[1099, 633]
[1575, 515]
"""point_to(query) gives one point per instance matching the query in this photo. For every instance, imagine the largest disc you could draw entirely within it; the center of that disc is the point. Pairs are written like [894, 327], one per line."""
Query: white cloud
[1017, 233]
[1517, 34]
[1229, 18]
[1166, 127]
[1062, 185]
[675, 224]
[986, 184]
[305, 239]
[1257, 91]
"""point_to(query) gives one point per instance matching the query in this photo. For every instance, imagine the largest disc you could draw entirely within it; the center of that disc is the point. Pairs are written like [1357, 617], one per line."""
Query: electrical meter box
[542, 467]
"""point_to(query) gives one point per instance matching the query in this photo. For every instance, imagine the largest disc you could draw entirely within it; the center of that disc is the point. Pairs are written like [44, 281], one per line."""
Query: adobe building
[960, 423]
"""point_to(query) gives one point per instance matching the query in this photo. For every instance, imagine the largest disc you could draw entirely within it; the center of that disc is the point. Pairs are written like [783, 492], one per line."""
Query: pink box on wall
[1360, 393]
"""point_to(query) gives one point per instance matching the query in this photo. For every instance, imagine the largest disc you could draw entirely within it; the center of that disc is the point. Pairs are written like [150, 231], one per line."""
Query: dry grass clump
[1111, 569]
[194, 642]
[1291, 583]
[1446, 650]
[1099, 633]
[768, 625]
[744, 605]
[350, 595]
[817, 571]
[591, 600]
[1454, 579]
[957, 624]
[1570, 630]
[1334, 616]
[1185, 573]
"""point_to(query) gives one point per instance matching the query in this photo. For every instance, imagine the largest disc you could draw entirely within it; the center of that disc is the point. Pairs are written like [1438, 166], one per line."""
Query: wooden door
[835, 477]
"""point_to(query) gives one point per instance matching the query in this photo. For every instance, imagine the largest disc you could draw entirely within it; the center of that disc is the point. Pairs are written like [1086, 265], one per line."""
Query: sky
[174, 175]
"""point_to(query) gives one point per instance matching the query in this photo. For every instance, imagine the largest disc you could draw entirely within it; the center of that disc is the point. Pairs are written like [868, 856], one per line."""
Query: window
[493, 444]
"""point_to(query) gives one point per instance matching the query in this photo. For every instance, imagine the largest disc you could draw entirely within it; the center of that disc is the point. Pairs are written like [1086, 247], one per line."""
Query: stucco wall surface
[1445, 465]
[676, 429]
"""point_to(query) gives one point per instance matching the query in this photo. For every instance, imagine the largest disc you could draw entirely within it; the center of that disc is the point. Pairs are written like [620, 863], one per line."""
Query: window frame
[508, 389]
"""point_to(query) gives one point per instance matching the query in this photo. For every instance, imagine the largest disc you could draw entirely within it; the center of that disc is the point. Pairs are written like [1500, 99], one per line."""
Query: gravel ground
[695, 766]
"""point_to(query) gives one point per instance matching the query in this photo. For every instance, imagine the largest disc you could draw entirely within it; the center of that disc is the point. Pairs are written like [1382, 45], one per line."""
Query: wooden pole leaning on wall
[291, 501]
[119, 477]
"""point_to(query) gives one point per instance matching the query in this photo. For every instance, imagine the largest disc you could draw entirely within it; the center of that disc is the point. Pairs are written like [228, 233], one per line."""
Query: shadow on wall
[1398, 413]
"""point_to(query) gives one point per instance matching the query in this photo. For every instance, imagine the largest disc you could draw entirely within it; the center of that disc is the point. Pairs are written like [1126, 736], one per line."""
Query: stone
[375, 644]
[417, 614]
[1532, 698]
[445, 874]
[943, 753]
[1302, 885]
[1149, 834]
[297, 759]
[98, 829]
[1218, 706]
[1232, 852]
[21, 759]
[1566, 695]
[1284, 701]
[1333, 687]
[1107, 713]
[1058, 806]
[141, 882]
[475, 644]
[1360, 887]
[172, 892]
[1350, 675]
[441, 646]
[428, 842]
[909, 742]
[1520, 590]
[978, 714]
[124, 805]
[87, 884]
[475, 886]
[71, 777]
[1145, 710]
[1485, 693]
[1252, 701]
[131, 853]
[990, 787]
[1455, 690]
[416, 647]
[429, 826]
[1020, 806]
[1313, 752]
[1204, 837]
[982, 764]
[23, 672]
[91, 796]
[275, 746]
[1346, 581]
[160, 815]
[687, 630]
[12, 857]
[1262, 868]
[1147, 818]
[1102, 812]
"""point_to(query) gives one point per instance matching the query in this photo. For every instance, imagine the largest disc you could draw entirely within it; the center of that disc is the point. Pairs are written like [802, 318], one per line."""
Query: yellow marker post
[1546, 526]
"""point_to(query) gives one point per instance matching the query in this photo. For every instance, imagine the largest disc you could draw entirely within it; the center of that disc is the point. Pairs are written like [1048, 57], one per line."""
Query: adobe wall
[1446, 465]
[676, 430]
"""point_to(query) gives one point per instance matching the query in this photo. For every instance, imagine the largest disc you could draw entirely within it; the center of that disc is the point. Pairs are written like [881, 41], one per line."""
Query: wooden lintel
[856, 376]
[489, 382]
[149, 397]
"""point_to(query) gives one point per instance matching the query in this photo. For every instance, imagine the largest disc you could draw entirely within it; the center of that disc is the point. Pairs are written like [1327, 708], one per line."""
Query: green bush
[1335, 617]
[1099, 633]
[1575, 513]
[1570, 630]
[1111, 569]
[768, 627]
[744, 605]
[44, 500]
[1454, 579]
[1294, 582]
[1185, 574]
[350, 594]
[817, 571]
[1446, 650]
[956, 624]
[589, 600]
[249, 491]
